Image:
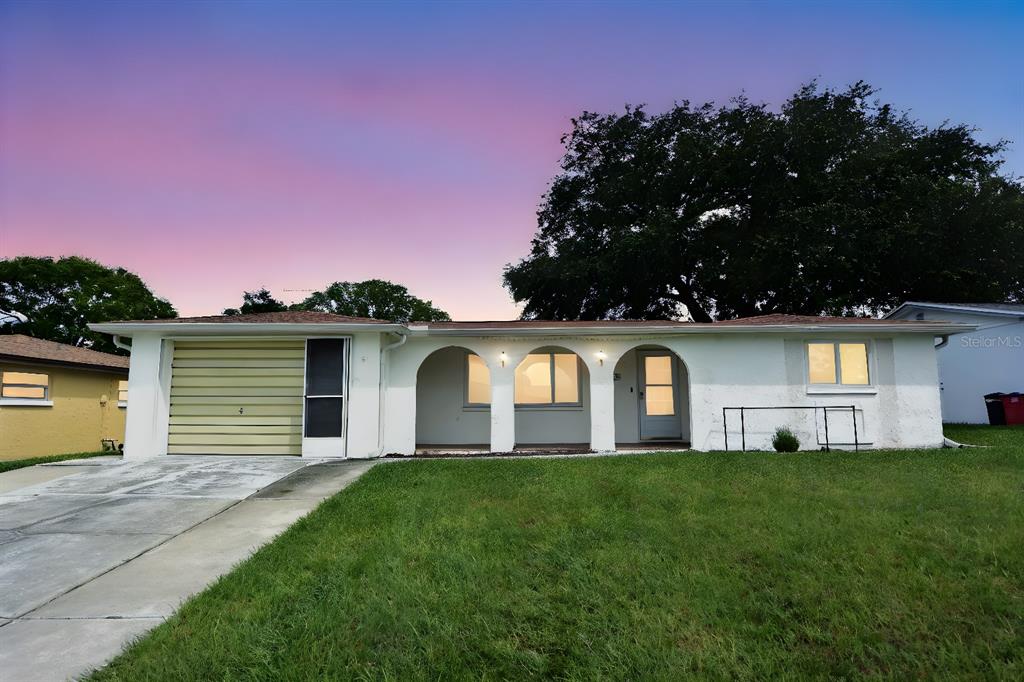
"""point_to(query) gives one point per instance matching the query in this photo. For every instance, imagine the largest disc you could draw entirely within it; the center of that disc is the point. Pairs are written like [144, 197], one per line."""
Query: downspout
[121, 344]
[381, 386]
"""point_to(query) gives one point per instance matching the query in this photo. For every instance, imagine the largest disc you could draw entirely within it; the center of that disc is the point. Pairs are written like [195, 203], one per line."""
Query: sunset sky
[218, 147]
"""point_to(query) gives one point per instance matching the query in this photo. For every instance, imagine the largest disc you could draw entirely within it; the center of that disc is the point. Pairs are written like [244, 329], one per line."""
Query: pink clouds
[217, 147]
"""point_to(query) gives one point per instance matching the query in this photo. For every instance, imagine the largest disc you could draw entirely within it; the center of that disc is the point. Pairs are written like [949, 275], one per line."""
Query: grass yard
[10, 465]
[899, 564]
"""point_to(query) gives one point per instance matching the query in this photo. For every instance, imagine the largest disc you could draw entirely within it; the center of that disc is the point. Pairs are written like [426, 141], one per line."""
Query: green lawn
[897, 564]
[9, 465]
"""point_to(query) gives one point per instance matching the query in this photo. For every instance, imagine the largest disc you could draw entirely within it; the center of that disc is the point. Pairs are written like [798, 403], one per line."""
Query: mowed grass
[12, 464]
[724, 565]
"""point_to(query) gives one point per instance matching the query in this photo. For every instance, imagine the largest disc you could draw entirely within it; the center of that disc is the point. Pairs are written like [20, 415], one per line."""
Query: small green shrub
[785, 440]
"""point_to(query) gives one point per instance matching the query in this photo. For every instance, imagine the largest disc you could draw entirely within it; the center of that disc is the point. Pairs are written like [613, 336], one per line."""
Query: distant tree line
[57, 298]
[374, 298]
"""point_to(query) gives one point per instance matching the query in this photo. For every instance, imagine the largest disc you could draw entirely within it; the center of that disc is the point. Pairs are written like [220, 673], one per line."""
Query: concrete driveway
[93, 556]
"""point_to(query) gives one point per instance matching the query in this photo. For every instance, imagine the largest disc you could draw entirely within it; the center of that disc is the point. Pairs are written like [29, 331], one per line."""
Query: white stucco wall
[900, 409]
[972, 364]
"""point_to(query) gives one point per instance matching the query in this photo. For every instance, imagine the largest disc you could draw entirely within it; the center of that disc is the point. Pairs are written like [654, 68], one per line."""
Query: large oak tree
[834, 204]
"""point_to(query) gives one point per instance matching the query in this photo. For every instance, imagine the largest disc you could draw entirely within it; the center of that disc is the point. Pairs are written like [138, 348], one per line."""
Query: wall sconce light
[504, 358]
[601, 357]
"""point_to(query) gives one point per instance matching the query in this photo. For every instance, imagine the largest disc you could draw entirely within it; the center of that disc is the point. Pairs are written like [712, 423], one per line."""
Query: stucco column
[503, 410]
[145, 433]
[602, 408]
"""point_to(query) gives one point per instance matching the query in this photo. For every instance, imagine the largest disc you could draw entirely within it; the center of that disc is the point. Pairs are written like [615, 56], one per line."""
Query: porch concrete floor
[95, 557]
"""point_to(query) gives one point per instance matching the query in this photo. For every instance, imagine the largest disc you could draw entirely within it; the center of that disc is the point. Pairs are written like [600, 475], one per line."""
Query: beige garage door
[236, 398]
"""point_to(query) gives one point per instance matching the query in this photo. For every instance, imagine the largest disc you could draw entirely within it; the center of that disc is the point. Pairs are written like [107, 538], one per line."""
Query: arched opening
[652, 399]
[552, 400]
[453, 401]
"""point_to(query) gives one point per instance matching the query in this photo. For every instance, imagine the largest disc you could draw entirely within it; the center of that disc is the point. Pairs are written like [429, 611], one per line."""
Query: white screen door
[325, 397]
[659, 396]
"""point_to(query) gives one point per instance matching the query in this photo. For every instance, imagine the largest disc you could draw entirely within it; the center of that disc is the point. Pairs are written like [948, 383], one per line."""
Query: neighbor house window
[548, 379]
[838, 363]
[478, 381]
[24, 386]
[122, 393]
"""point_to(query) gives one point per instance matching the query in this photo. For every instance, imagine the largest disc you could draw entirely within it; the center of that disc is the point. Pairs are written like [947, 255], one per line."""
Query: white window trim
[840, 388]
[26, 402]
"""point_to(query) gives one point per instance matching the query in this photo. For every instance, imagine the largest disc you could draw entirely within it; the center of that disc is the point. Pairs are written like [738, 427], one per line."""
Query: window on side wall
[838, 363]
[122, 393]
[24, 386]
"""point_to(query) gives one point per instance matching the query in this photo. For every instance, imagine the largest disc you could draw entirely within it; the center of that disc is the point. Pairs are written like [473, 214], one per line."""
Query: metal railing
[824, 408]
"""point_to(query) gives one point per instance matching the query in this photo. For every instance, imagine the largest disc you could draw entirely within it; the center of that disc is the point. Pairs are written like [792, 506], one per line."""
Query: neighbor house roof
[1013, 309]
[26, 348]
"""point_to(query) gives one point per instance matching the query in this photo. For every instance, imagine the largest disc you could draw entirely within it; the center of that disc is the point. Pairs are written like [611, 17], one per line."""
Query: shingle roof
[779, 318]
[285, 317]
[773, 319]
[22, 347]
[548, 324]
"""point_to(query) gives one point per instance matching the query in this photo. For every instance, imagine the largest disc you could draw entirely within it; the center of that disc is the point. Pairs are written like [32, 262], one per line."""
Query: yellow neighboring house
[56, 399]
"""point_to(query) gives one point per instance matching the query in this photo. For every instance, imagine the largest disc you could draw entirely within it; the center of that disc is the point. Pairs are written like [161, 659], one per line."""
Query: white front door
[325, 398]
[659, 396]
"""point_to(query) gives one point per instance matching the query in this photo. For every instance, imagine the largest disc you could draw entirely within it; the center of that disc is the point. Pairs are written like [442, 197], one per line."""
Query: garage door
[236, 398]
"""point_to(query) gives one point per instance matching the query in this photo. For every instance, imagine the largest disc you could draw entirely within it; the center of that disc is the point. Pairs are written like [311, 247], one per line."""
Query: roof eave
[242, 328]
[48, 362]
[919, 328]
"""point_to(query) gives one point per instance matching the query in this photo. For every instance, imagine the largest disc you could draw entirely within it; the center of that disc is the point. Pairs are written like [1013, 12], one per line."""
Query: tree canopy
[261, 301]
[834, 204]
[373, 298]
[61, 296]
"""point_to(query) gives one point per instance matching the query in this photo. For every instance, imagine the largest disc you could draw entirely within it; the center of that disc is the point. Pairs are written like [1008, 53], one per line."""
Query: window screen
[323, 417]
[325, 388]
[325, 367]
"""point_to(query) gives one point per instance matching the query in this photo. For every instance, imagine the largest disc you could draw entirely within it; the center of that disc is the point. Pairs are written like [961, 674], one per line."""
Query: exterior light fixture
[601, 357]
[504, 358]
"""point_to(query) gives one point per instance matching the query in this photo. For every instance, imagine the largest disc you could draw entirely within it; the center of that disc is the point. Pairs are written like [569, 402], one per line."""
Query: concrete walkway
[94, 557]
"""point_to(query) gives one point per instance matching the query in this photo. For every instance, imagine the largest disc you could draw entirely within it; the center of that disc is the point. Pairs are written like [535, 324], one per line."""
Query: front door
[659, 396]
[325, 398]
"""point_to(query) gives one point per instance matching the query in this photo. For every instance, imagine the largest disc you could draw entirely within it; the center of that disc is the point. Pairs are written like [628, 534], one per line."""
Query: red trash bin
[1013, 407]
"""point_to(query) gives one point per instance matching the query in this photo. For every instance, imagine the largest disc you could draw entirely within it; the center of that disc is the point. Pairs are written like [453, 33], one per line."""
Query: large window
[548, 379]
[541, 379]
[838, 363]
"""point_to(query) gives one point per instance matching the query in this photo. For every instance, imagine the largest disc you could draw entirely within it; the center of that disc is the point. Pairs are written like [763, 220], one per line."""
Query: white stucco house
[322, 385]
[987, 359]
